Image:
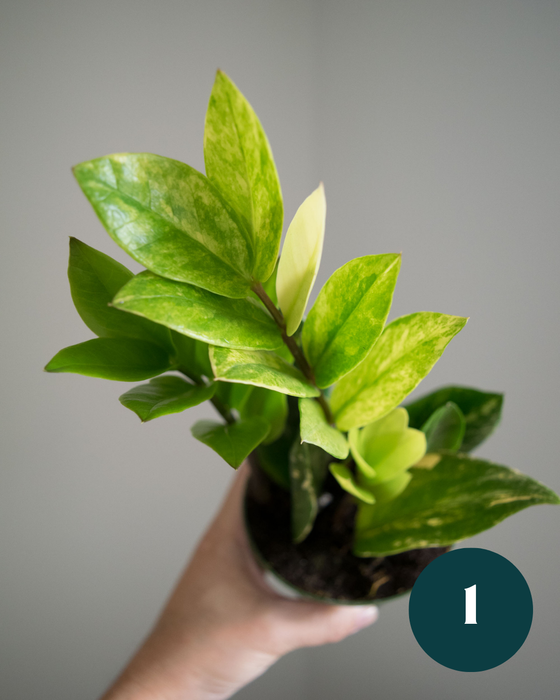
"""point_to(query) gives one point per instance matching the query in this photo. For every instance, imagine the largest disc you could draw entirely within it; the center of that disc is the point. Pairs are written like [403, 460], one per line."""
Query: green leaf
[308, 468]
[274, 463]
[164, 395]
[386, 448]
[233, 395]
[271, 405]
[377, 440]
[450, 497]
[120, 359]
[192, 357]
[349, 315]
[301, 255]
[95, 278]
[445, 428]
[315, 430]
[348, 482]
[388, 490]
[482, 411]
[234, 443]
[235, 323]
[260, 368]
[404, 354]
[239, 163]
[171, 219]
[274, 459]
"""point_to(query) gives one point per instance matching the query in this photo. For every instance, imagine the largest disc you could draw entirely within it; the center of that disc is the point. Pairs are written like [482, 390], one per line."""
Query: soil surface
[323, 564]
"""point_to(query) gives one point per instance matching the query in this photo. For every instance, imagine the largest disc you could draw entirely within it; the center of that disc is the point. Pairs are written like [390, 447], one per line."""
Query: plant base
[323, 567]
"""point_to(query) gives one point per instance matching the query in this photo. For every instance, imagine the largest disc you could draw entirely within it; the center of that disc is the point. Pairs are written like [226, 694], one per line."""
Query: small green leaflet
[164, 395]
[404, 354]
[315, 430]
[386, 448]
[120, 359]
[387, 490]
[95, 278]
[445, 428]
[234, 323]
[308, 468]
[348, 482]
[235, 442]
[450, 497]
[239, 163]
[300, 259]
[349, 315]
[260, 368]
[482, 411]
[171, 219]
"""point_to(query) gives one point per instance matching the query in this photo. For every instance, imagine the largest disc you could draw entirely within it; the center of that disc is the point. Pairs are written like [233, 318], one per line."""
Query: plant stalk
[218, 404]
[293, 347]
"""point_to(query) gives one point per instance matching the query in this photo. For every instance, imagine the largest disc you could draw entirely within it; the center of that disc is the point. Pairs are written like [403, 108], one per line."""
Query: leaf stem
[223, 410]
[293, 347]
[218, 404]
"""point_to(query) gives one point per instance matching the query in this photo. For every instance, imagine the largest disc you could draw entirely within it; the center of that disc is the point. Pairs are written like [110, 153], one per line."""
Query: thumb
[312, 624]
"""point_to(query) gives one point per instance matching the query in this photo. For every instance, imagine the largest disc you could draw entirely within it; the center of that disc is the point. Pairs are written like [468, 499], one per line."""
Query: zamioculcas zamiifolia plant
[352, 493]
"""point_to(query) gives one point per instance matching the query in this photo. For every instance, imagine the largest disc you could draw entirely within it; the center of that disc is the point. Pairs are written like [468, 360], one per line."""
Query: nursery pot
[322, 567]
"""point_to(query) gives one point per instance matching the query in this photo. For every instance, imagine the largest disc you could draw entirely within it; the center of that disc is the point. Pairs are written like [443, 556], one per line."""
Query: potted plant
[352, 493]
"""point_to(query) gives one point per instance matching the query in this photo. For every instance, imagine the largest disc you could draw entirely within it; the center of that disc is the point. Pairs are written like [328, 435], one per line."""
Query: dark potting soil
[323, 564]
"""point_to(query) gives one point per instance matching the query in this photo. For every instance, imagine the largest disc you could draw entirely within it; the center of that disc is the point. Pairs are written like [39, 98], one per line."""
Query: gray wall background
[434, 125]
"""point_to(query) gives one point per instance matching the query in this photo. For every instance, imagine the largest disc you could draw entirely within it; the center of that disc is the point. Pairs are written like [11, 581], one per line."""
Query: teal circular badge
[470, 609]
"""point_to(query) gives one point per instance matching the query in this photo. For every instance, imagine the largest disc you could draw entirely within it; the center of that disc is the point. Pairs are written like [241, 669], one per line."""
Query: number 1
[470, 605]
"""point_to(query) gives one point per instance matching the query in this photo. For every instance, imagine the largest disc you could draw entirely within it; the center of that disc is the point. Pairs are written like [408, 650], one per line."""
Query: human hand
[222, 626]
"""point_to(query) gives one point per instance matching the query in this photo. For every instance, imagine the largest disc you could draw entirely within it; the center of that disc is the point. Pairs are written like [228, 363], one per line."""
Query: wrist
[170, 665]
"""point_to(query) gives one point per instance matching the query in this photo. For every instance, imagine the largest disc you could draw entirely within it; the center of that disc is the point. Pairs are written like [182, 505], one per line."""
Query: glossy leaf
[192, 356]
[265, 369]
[239, 163]
[349, 315]
[300, 259]
[235, 442]
[450, 497]
[315, 430]
[95, 278]
[308, 468]
[445, 428]
[404, 354]
[270, 405]
[234, 323]
[120, 359]
[171, 219]
[388, 490]
[164, 395]
[386, 448]
[482, 411]
[348, 482]
[376, 440]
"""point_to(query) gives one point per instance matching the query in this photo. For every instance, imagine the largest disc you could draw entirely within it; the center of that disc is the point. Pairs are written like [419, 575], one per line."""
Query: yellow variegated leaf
[300, 258]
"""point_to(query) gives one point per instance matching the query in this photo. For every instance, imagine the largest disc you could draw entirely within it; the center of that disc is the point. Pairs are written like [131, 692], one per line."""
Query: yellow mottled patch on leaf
[428, 461]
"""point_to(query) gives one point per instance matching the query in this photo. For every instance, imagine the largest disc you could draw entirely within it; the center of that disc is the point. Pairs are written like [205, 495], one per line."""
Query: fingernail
[366, 616]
